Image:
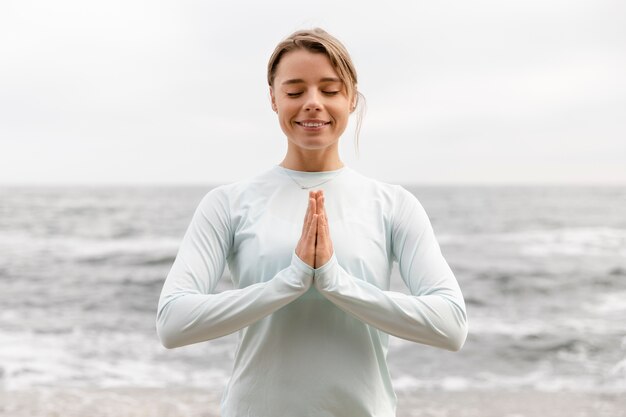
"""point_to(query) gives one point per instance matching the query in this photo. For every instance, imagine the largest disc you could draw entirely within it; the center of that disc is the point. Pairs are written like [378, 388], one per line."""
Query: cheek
[285, 109]
[285, 118]
[341, 113]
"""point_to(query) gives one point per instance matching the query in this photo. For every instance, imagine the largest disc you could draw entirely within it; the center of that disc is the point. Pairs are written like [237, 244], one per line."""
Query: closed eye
[328, 93]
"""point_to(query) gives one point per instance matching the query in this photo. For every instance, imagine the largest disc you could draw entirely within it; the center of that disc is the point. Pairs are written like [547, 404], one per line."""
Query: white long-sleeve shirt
[312, 342]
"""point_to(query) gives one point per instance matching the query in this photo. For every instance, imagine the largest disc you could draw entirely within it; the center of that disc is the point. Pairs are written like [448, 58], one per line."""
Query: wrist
[325, 273]
[327, 265]
[304, 270]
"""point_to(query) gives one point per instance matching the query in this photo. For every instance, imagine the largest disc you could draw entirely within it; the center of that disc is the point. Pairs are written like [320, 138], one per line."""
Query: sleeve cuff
[328, 265]
[325, 274]
[300, 265]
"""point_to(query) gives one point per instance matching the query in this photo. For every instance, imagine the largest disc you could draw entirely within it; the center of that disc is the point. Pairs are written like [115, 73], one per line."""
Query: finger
[320, 202]
[317, 193]
[323, 247]
[308, 215]
[322, 210]
[326, 230]
[321, 230]
[311, 235]
[314, 205]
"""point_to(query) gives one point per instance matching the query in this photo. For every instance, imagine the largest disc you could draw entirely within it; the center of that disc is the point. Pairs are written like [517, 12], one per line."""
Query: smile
[312, 124]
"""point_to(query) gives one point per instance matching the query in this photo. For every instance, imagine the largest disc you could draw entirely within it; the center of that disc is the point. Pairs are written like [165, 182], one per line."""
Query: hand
[323, 245]
[315, 247]
[306, 245]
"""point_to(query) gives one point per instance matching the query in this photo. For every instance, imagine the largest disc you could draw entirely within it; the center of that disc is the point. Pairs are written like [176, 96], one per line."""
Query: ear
[273, 100]
[353, 102]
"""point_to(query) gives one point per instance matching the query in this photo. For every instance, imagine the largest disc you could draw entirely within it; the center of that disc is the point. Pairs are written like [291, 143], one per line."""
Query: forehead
[304, 65]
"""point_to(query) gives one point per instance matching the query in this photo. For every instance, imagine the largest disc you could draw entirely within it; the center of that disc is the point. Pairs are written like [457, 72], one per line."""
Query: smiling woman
[313, 107]
[330, 61]
[311, 269]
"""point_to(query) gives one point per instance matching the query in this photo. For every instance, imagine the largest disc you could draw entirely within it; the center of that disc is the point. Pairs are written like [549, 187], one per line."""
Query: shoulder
[372, 186]
[405, 208]
[399, 206]
[396, 194]
[232, 194]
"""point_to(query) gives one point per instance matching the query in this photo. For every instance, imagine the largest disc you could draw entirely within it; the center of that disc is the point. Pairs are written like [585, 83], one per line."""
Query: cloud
[182, 86]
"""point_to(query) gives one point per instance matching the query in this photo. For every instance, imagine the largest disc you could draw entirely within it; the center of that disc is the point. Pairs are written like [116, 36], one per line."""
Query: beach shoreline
[196, 402]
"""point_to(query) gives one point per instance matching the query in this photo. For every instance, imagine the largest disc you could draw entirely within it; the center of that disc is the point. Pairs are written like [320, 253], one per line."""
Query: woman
[311, 301]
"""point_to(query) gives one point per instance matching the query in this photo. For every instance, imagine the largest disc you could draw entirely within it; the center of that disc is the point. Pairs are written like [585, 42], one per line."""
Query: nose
[313, 101]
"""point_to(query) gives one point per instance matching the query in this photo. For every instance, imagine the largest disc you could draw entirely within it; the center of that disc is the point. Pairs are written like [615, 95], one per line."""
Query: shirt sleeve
[188, 309]
[434, 313]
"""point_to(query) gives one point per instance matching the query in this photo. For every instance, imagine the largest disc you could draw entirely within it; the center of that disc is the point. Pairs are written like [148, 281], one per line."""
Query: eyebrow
[300, 80]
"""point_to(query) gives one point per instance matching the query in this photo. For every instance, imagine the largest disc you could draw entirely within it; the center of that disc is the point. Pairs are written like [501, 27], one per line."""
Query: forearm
[186, 316]
[437, 318]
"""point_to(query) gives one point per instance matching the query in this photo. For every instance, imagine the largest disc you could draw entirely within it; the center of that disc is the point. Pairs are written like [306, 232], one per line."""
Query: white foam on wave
[106, 359]
[84, 248]
[587, 241]
[575, 325]
[500, 326]
[608, 303]
[89, 248]
[478, 381]
[26, 361]
[540, 379]
[574, 242]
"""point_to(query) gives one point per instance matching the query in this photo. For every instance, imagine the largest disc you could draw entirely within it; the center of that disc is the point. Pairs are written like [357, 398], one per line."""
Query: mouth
[312, 124]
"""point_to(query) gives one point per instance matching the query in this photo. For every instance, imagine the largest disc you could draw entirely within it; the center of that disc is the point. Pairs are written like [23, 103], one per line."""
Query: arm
[434, 313]
[188, 311]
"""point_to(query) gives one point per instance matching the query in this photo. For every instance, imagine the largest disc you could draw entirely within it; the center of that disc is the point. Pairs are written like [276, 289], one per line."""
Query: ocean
[542, 269]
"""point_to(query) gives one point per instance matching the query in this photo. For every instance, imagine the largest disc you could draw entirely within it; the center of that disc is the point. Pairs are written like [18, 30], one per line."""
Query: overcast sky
[162, 92]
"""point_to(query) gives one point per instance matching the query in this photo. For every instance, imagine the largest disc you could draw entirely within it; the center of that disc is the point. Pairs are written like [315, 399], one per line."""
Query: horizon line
[215, 184]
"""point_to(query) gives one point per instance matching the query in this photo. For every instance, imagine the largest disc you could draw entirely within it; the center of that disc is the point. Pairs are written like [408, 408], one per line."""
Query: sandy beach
[178, 402]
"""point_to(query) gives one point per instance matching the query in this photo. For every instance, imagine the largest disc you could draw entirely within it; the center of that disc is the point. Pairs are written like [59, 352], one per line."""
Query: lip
[312, 124]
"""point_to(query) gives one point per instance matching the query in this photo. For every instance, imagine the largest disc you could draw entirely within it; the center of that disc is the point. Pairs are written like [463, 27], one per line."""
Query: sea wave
[587, 241]
[107, 359]
[541, 379]
[144, 250]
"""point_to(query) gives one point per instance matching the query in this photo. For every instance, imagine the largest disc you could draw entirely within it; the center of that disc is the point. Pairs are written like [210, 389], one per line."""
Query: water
[543, 270]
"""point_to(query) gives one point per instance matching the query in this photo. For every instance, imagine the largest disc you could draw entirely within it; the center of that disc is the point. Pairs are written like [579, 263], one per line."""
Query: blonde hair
[317, 40]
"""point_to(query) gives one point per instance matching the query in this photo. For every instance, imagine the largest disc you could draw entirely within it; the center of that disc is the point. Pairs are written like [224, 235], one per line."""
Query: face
[311, 100]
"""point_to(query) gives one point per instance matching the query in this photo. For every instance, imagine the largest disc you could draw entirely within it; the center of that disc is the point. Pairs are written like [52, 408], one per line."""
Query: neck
[312, 160]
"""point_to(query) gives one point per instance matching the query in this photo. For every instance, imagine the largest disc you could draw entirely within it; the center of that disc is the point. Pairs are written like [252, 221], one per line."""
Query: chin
[312, 144]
